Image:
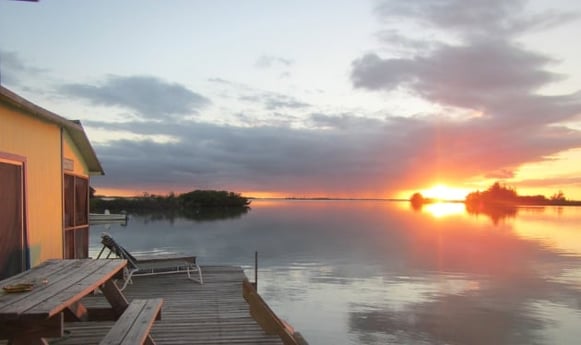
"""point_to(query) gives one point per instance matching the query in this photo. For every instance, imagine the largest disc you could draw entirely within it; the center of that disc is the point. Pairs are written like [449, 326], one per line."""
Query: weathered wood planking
[52, 272]
[214, 313]
[57, 283]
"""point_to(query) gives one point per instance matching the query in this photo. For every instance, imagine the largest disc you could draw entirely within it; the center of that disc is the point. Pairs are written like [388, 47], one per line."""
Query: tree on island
[417, 200]
[497, 194]
[500, 195]
[210, 198]
[558, 197]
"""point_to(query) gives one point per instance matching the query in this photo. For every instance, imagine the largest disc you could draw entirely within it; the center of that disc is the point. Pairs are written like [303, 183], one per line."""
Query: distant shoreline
[427, 201]
[326, 199]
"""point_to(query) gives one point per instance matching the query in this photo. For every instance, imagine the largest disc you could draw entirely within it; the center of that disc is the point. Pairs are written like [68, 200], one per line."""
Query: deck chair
[146, 266]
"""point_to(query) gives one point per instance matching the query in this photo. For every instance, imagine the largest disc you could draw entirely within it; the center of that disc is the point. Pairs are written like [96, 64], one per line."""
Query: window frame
[75, 228]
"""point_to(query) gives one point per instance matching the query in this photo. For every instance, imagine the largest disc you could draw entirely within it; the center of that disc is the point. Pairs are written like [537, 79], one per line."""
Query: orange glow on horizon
[112, 192]
[263, 195]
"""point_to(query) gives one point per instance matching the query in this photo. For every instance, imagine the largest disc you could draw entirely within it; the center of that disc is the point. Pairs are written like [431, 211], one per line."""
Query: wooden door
[12, 234]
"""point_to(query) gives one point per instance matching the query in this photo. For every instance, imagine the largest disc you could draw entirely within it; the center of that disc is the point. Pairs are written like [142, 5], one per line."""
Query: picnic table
[43, 297]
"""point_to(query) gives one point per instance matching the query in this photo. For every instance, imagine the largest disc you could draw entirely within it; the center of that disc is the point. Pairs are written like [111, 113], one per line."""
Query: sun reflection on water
[443, 209]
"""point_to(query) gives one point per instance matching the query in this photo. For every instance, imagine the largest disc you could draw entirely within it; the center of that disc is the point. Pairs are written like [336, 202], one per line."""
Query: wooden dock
[212, 313]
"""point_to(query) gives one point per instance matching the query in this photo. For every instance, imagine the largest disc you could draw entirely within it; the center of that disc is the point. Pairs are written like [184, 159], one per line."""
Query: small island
[197, 204]
[499, 195]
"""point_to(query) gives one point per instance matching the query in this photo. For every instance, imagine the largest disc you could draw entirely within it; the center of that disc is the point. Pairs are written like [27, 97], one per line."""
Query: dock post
[256, 270]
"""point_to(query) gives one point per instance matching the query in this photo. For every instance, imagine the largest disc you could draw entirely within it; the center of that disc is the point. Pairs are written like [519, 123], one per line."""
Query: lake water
[378, 272]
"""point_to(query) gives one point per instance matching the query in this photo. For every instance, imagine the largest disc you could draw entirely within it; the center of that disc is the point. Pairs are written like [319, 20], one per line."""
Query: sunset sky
[309, 98]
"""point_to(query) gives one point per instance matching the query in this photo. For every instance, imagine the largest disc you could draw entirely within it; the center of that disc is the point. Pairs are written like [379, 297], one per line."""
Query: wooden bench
[135, 323]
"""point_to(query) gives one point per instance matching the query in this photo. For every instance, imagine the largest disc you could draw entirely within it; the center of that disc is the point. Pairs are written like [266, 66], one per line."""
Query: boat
[107, 217]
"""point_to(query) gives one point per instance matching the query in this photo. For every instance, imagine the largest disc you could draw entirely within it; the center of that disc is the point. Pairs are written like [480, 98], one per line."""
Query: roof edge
[74, 128]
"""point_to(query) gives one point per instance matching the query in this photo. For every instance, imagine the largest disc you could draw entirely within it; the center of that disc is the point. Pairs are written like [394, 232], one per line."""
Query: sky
[309, 98]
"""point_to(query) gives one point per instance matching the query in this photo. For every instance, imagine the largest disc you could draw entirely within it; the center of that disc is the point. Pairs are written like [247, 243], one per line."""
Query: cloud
[490, 18]
[346, 121]
[555, 182]
[267, 99]
[395, 39]
[219, 81]
[486, 73]
[150, 97]
[501, 174]
[13, 68]
[273, 101]
[268, 61]
[487, 70]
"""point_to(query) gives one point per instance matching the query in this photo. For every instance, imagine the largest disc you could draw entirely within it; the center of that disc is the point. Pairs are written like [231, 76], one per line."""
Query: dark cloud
[473, 75]
[260, 158]
[344, 155]
[150, 97]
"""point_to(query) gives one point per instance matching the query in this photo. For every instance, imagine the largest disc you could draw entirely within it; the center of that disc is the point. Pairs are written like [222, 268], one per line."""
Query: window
[76, 194]
[13, 258]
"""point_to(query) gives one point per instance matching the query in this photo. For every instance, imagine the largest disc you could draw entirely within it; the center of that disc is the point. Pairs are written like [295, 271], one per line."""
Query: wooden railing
[267, 319]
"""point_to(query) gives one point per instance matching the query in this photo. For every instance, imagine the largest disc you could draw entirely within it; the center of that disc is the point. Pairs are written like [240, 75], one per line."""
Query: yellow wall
[70, 152]
[40, 143]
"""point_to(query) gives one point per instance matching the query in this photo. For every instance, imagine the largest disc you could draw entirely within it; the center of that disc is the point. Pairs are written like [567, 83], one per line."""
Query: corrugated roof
[73, 128]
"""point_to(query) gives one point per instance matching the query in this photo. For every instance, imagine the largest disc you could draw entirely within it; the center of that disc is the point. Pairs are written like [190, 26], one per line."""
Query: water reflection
[441, 209]
[496, 213]
[349, 272]
[198, 215]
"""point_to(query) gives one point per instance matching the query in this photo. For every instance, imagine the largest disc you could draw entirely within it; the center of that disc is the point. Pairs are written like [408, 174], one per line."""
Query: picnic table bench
[56, 290]
[135, 323]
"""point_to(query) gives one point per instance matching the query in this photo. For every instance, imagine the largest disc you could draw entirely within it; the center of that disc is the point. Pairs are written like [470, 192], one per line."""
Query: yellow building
[45, 164]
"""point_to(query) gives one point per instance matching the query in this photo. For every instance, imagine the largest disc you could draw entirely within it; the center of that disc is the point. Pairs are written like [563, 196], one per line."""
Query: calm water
[371, 272]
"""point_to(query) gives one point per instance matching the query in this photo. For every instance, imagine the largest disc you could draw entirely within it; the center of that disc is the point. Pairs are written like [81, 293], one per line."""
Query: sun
[445, 193]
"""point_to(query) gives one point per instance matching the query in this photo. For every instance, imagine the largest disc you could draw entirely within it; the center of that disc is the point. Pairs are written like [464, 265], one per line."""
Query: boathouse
[45, 165]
